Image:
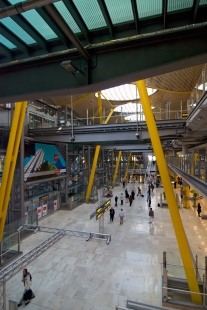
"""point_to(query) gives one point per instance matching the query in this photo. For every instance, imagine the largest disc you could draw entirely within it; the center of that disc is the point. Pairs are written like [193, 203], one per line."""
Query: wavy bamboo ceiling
[174, 87]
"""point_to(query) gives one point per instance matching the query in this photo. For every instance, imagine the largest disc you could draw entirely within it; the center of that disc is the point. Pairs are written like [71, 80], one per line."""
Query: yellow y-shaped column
[93, 170]
[127, 167]
[173, 208]
[117, 167]
[10, 161]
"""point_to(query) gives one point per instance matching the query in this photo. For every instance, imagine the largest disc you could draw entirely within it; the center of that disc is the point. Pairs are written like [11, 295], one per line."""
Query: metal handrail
[183, 291]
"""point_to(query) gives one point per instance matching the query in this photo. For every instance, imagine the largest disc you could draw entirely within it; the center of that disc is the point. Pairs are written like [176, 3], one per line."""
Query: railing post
[19, 241]
[204, 290]
[165, 291]
[196, 266]
[1, 260]
[4, 293]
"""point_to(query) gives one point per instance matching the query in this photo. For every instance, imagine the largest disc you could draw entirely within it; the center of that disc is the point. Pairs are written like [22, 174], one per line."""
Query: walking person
[149, 200]
[116, 200]
[112, 212]
[199, 209]
[123, 184]
[130, 200]
[122, 199]
[151, 216]
[139, 192]
[121, 215]
[152, 187]
[132, 194]
[28, 293]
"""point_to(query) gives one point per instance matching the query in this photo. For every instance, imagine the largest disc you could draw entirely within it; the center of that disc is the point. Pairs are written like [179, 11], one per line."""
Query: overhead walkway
[194, 182]
[110, 133]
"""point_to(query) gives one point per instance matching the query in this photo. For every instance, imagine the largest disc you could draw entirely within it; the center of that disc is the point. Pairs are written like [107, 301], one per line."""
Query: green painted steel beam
[147, 56]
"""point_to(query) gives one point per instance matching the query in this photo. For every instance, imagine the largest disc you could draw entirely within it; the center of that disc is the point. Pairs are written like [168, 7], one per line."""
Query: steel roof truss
[51, 23]
[78, 19]
[14, 39]
[195, 9]
[164, 12]
[26, 26]
[135, 13]
[106, 16]
[5, 51]
[52, 11]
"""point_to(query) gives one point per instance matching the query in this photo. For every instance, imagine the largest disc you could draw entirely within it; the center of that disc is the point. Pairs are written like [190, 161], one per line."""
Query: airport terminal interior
[103, 154]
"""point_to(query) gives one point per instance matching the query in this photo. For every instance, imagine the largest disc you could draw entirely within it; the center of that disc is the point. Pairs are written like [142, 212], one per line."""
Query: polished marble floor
[80, 275]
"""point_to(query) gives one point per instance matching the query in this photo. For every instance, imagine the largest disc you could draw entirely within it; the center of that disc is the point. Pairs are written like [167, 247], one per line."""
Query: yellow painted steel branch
[128, 161]
[173, 208]
[109, 116]
[10, 161]
[93, 170]
[100, 107]
[79, 100]
[107, 100]
[117, 167]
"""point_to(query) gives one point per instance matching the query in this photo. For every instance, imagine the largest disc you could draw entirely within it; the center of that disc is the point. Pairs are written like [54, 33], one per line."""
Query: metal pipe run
[22, 7]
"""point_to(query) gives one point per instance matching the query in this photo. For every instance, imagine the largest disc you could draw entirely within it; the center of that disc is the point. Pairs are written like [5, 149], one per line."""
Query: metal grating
[174, 5]
[60, 6]
[17, 30]
[149, 8]
[120, 11]
[91, 13]
[37, 22]
[6, 42]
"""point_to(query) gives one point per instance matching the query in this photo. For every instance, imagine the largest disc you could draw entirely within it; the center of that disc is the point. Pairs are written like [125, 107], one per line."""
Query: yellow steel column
[186, 203]
[10, 161]
[117, 167]
[173, 208]
[128, 161]
[93, 170]
[100, 107]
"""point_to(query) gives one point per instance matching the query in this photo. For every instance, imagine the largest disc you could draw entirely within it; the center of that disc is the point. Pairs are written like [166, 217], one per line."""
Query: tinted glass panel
[120, 11]
[17, 30]
[91, 13]
[6, 42]
[148, 8]
[176, 5]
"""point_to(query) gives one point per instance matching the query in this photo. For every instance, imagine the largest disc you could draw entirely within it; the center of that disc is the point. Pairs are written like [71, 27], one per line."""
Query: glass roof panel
[60, 6]
[37, 22]
[6, 42]
[17, 30]
[203, 2]
[148, 8]
[120, 11]
[91, 13]
[176, 5]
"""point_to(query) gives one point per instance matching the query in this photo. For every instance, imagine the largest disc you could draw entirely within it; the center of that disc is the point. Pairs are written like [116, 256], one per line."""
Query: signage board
[55, 205]
[43, 197]
[39, 212]
[44, 210]
[101, 209]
